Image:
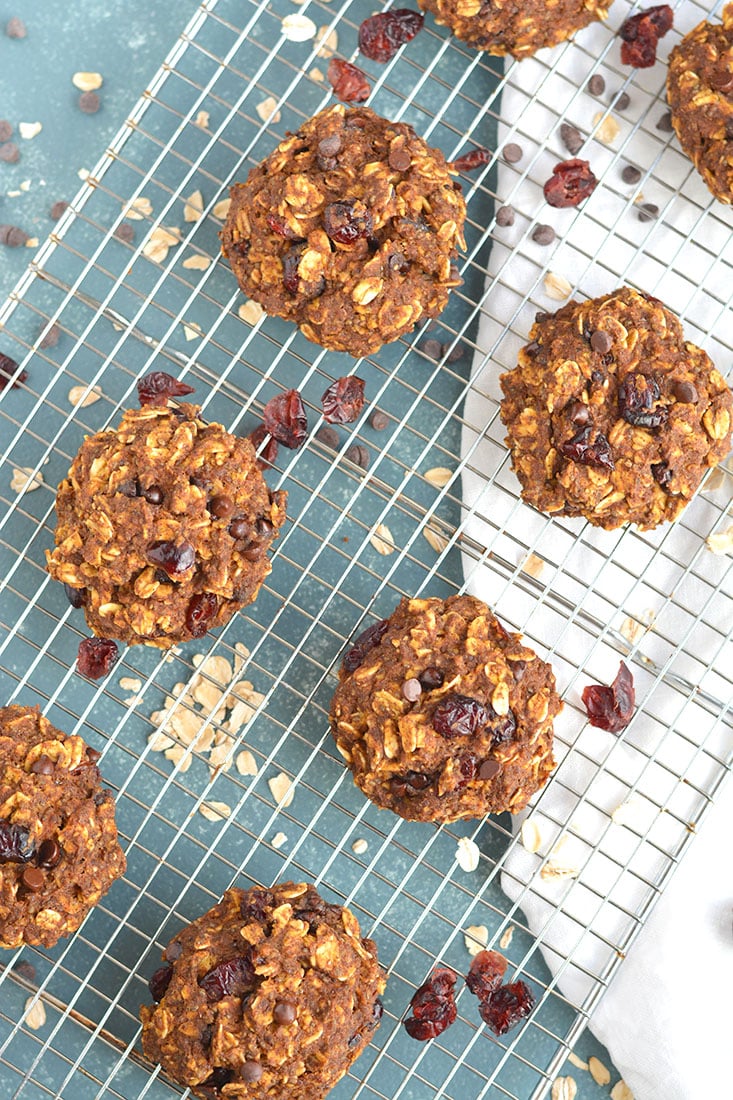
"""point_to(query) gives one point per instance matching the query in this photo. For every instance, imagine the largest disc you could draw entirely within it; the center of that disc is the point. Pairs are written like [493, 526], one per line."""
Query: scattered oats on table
[382, 540]
[476, 938]
[282, 790]
[467, 854]
[193, 207]
[278, 840]
[598, 1071]
[34, 1013]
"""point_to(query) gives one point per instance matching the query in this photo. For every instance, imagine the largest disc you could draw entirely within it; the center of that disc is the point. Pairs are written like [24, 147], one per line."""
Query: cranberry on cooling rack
[156, 387]
[284, 418]
[381, 35]
[611, 707]
[571, 182]
[343, 400]
[96, 657]
[349, 84]
[433, 1006]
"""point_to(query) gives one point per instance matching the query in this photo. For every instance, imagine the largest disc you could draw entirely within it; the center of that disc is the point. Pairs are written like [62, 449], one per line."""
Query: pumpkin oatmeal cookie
[612, 415]
[271, 994]
[349, 229]
[515, 27]
[442, 714]
[58, 839]
[700, 94]
[164, 524]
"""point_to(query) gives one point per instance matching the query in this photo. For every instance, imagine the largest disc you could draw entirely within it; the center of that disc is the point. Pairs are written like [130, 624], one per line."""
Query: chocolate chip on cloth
[442, 714]
[518, 27]
[700, 94]
[164, 526]
[271, 993]
[612, 415]
[349, 229]
[58, 839]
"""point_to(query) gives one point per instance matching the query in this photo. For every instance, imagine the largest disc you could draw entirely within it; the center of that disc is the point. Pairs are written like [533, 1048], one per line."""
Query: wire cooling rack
[228, 91]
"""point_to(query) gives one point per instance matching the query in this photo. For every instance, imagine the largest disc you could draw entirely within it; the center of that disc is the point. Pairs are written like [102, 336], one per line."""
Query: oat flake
[576, 1061]
[278, 840]
[202, 119]
[138, 209]
[506, 939]
[246, 763]
[564, 1088]
[438, 542]
[382, 540]
[598, 1071]
[281, 789]
[467, 854]
[192, 331]
[267, 110]
[80, 397]
[215, 811]
[34, 1014]
[608, 129]
[87, 82]
[476, 938]
[533, 565]
[438, 476]
[531, 835]
[720, 543]
[193, 207]
[359, 847]
[24, 480]
[251, 312]
[221, 208]
[28, 130]
[298, 28]
[197, 263]
[557, 287]
[621, 1091]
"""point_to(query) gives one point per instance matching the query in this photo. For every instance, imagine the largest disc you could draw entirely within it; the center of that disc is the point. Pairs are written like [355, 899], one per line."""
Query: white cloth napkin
[616, 804]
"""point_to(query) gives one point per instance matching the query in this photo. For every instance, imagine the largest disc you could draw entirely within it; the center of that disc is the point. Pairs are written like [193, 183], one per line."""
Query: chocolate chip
[12, 236]
[253, 552]
[412, 690]
[239, 529]
[579, 413]
[665, 123]
[15, 28]
[329, 436]
[505, 215]
[6, 130]
[601, 342]
[452, 354]
[89, 103]
[51, 337]
[284, 1012]
[93, 755]
[125, 232]
[685, 392]
[330, 146]
[263, 528]
[431, 347]
[9, 152]
[543, 234]
[431, 677]
[648, 211]
[630, 174]
[42, 765]
[49, 854]
[489, 769]
[173, 951]
[33, 879]
[378, 420]
[359, 455]
[25, 969]
[250, 1072]
[154, 495]
[58, 209]
[512, 153]
[572, 138]
[221, 506]
[399, 160]
[622, 101]
[596, 85]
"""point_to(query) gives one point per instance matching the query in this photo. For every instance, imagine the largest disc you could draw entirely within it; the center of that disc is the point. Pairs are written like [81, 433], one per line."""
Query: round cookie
[612, 415]
[272, 993]
[349, 229]
[517, 27]
[700, 94]
[163, 527]
[442, 714]
[58, 839]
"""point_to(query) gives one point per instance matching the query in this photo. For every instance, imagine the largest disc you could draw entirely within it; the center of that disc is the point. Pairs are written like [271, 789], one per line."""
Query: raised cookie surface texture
[515, 27]
[271, 993]
[164, 525]
[612, 415]
[349, 229]
[443, 714]
[59, 851]
[700, 94]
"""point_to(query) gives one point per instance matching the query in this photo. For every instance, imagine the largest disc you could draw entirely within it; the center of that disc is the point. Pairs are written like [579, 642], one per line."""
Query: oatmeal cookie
[611, 414]
[442, 714]
[516, 27]
[348, 228]
[700, 94]
[163, 527]
[58, 839]
[271, 994]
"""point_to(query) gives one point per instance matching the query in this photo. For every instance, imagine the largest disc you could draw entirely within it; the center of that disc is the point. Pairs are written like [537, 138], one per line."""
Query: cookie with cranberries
[272, 993]
[612, 414]
[349, 229]
[700, 95]
[59, 852]
[163, 527]
[443, 714]
[520, 27]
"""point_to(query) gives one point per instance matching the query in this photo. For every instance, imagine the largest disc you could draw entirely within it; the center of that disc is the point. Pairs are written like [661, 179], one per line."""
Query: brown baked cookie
[442, 714]
[58, 839]
[517, 27]
[348, 228]
[164, 526]
[700, 93]
[611, 414]
[272, 993]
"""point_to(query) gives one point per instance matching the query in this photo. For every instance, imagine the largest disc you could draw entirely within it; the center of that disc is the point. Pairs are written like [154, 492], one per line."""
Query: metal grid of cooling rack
[120, 315]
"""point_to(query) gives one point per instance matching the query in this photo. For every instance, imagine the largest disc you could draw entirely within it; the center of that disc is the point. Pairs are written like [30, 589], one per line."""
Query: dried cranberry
[75, 596]
[580, 449]
[366, 641]
[280, 226]
[8, 367]
[160, 981]
[268, 454]
[96, 657]
[474, 159]
[343, 400]
[381, 36]
[431, 678]
[611, 708]
[661, 474]
[468, 767]
[173, 558]
[155, 388]
[410, 784]
[234, 977]
[202, 608]
[506, 1007]
[571, 182]
[348, 221]
[641, 34]
[290, 262]
[255, 904]
[349, 84]
[486, 973]
[284, 418]
[636, 397]
[15, 845]
[459, 716]
[433, 1006]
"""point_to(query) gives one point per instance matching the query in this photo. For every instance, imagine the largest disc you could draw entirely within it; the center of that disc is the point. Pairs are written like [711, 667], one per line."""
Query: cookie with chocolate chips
[520, 27]
[163, 529]
[612, 415]
[272, 993]
[442, 714]
[700, 95]
[349, 229]
[59, 851]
